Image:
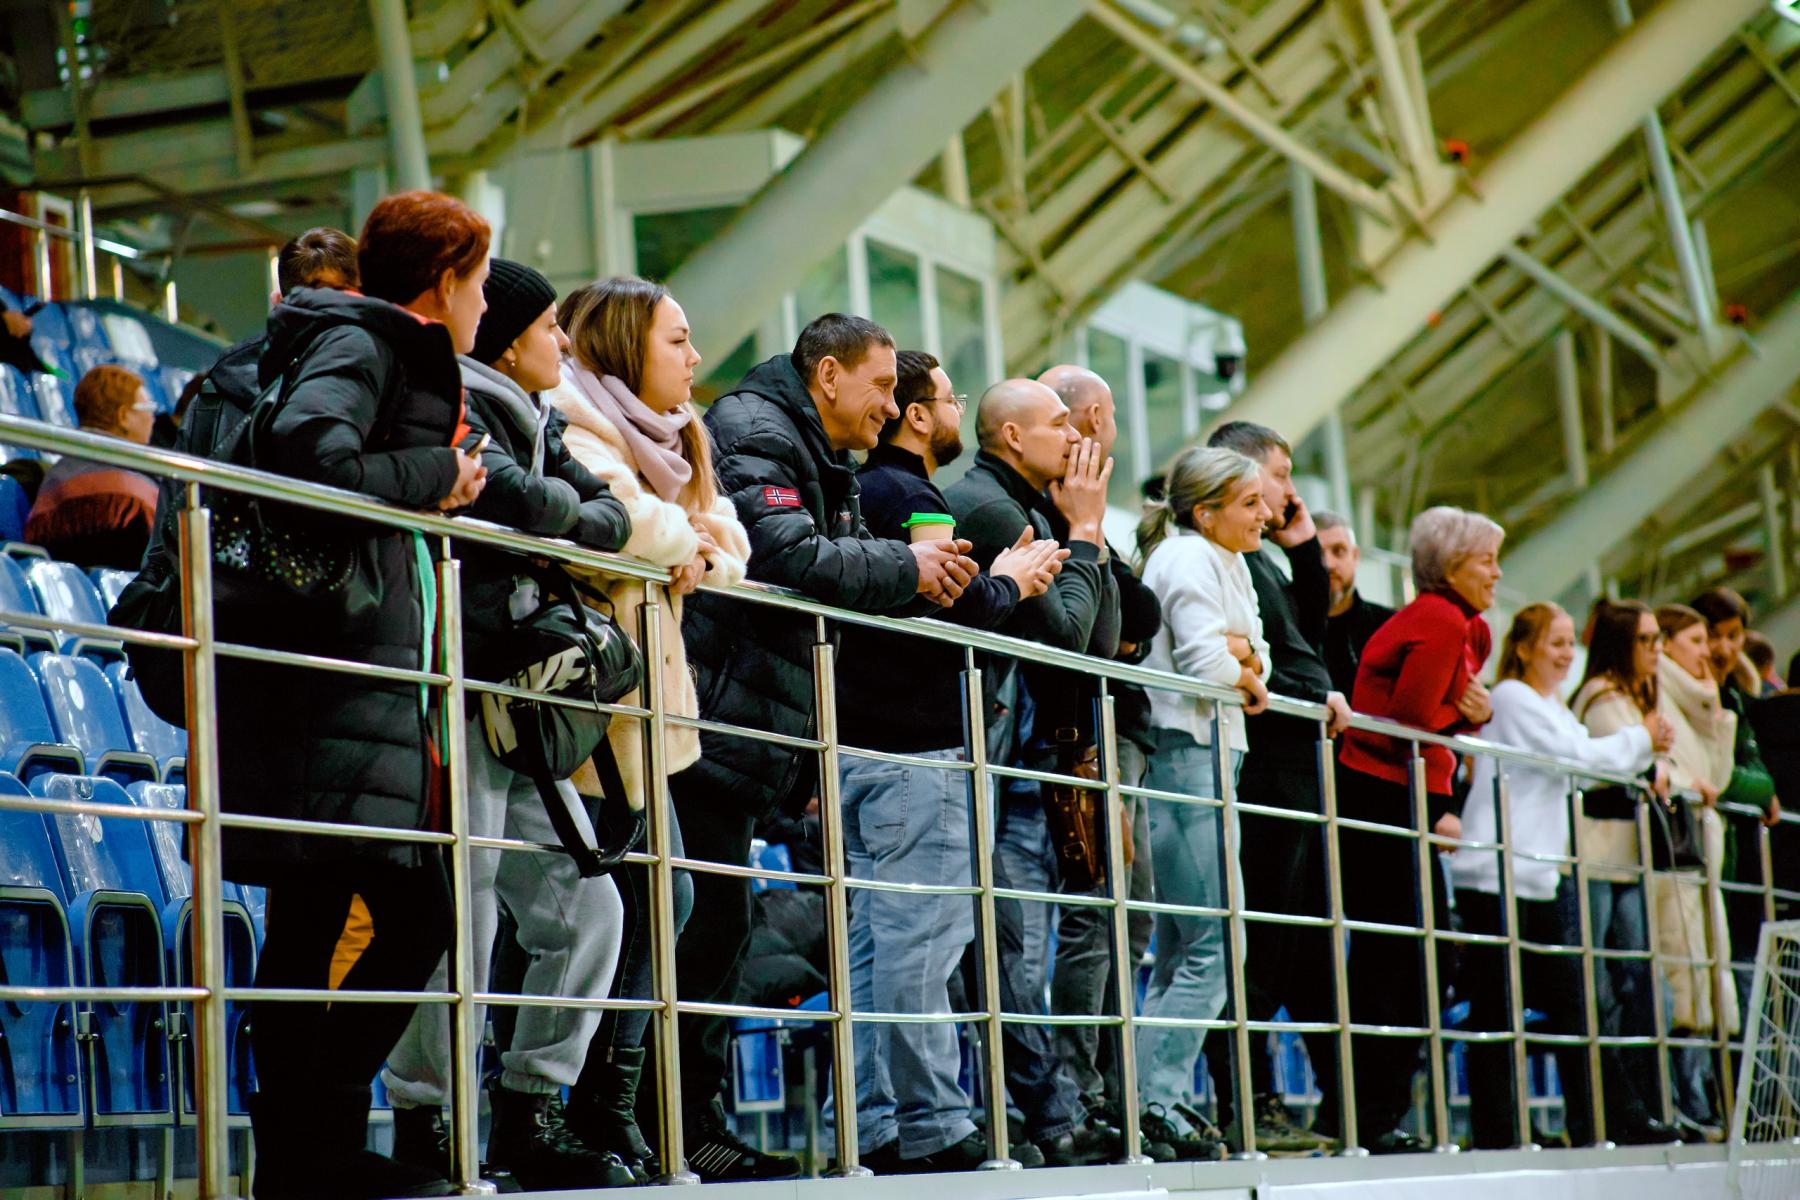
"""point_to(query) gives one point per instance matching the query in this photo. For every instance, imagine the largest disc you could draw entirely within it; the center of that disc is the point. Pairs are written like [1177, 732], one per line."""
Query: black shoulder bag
[578, 659]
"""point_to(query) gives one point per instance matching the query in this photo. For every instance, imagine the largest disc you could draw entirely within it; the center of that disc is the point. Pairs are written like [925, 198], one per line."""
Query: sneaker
[1193, 1145]
[422, 1139]
[1088, 1143]
[531, 1140]
[966, 1155]
[1278, 1133]
[718, 1155]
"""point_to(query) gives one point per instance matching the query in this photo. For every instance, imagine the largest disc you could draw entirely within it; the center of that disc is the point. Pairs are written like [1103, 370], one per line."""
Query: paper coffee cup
[930, 527]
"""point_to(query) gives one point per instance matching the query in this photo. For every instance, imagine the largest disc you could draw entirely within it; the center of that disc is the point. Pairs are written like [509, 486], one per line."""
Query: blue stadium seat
[174, 382]
[771, 858]
[110, 877]
[110, 581]
[18, 398]
[16, 596]
[15, 505]
[86, 328]
[167, 838]
[40, 1059]
[65, 594]
[149, 733]
[85, 711]
[54, 341]
[28, 742]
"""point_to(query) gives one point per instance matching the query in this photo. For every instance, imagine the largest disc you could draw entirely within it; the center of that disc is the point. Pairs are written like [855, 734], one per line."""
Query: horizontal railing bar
[103, 633]
[739, 731]
[707, 867]
[97, 808]
[910, 889]
[17, 994]
[1075, 899]
[379, 833]
[906, 760]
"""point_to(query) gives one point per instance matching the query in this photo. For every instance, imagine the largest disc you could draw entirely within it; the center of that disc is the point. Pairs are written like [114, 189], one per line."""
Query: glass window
[1109, 358]
[962, 333]
[665, 240]
[826, 288]
[1162, 407]
[894, 295]
[723, 374]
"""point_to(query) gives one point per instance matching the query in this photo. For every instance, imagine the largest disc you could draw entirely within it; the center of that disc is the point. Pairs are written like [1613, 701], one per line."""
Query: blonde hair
[1200, 476]
[1529, 625]
[608, 324]
[1444, 536]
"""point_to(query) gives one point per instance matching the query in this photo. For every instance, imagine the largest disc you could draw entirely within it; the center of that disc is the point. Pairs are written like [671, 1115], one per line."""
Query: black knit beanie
[516, 296]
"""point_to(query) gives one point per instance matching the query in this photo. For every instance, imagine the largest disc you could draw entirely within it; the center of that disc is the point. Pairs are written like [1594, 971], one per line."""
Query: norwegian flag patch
[780, 497]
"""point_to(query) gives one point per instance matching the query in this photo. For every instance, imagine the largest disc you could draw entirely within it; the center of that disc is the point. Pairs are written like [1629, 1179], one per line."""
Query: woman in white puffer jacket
[626, 394]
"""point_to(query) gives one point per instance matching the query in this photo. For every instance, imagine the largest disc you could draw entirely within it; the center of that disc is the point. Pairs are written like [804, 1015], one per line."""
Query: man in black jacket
[909, 823]
[1283, 860]
[1352, 620]
[782, 442]
[1035, 471]
[1083, 979]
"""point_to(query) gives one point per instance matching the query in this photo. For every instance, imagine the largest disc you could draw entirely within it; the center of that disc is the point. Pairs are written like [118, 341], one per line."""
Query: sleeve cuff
[1080, 551]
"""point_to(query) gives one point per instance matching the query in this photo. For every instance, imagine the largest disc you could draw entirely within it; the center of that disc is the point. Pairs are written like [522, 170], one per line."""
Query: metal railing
[88, 245]
[206, 819]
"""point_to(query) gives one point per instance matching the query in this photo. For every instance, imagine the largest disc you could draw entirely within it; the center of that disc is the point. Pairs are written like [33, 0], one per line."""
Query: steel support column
[1660, 467]
[1371, 324]
[1315, 301]
[1568, 408]
[1563, 289]
[732, 282]
[406, 128]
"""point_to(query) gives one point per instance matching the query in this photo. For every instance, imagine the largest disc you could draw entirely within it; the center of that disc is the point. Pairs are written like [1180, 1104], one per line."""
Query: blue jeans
[1190, 978]
[1022, 844]
[907, 824]
[1618, 920]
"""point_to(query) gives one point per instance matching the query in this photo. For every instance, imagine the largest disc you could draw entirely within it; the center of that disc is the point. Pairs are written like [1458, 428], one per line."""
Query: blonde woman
[1193, 546]
[626, 394]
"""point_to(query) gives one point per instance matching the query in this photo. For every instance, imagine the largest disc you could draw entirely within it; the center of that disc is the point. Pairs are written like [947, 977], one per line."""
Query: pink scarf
[653, 438]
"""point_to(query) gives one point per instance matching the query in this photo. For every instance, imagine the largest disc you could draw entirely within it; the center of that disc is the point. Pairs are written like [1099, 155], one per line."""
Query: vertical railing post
[1124, 969]
[1340, 965]
[1434, 1017]
[1515, 967]
[40, 257]
[206, 853]
[1658, 1017]
[837, 909]
[1584, 920]
[1719, 977]
[465, 1038]
[1765, 857]
[981, 852]
[660, 818]
[85, 258]
[1235, 941]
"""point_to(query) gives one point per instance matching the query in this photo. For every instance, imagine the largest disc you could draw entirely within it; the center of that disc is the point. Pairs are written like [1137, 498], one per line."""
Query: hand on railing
[1475, 705]
[945, 569]
[1030, 564]
[1337, 714]
[471, 477]
[686, 577]
[1449, 825]
[1256, 693]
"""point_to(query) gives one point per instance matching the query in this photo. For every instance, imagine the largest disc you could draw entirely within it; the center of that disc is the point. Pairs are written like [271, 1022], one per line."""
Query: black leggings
[303, 1044]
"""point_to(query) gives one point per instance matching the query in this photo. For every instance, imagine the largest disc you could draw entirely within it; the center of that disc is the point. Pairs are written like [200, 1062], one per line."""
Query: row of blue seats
[106, 902]
[71, 339]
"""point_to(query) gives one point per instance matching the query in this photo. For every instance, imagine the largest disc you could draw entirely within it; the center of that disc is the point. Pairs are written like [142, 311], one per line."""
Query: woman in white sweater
[1529, 714]
[1192, 547]
[1619, 690]
[1700, 764]
[626, 394]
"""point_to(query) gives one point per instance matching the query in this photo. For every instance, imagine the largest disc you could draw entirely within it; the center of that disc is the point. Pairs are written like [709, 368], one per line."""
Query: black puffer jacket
[533, 485]
[374, 405]
[798, 500]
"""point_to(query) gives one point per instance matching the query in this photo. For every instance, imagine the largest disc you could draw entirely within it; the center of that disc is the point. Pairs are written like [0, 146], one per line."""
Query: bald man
[1083, 979]
[1035, 471]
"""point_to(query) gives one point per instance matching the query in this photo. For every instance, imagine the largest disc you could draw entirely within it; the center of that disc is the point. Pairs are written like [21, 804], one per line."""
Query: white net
[1765, 1125]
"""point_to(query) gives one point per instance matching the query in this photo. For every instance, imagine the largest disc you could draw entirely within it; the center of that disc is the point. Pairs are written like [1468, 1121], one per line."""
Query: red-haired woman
[373, 402]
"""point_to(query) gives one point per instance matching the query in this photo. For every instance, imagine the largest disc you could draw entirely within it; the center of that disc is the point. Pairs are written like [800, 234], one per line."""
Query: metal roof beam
[734, 281]
[1660, 467]
[1370, 325]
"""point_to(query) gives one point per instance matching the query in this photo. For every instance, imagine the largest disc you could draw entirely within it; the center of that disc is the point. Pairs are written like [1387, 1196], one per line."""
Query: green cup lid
[928, 519]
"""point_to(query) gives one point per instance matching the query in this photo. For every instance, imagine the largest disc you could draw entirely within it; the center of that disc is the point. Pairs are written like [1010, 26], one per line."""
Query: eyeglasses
[959, 399]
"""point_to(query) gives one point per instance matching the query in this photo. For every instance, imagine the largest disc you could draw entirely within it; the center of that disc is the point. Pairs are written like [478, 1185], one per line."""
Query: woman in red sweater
[1419, 669]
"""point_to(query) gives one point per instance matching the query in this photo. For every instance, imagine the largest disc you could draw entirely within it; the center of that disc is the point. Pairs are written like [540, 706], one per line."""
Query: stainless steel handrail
[205, 822]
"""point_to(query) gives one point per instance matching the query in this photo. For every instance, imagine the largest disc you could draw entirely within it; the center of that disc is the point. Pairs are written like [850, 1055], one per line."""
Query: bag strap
[589, 861]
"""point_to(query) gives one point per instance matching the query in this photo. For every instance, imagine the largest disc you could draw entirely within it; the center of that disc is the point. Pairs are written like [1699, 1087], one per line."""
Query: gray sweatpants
[570, 926]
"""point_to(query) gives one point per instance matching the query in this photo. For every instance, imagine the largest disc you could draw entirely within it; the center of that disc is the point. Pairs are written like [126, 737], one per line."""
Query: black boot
[421, 1139]
[314, 1143]
[605, 1115]
[530, 1140]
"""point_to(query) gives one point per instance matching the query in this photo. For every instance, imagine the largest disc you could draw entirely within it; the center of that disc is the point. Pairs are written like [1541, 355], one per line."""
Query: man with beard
[909, 824]
[1352, 620]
